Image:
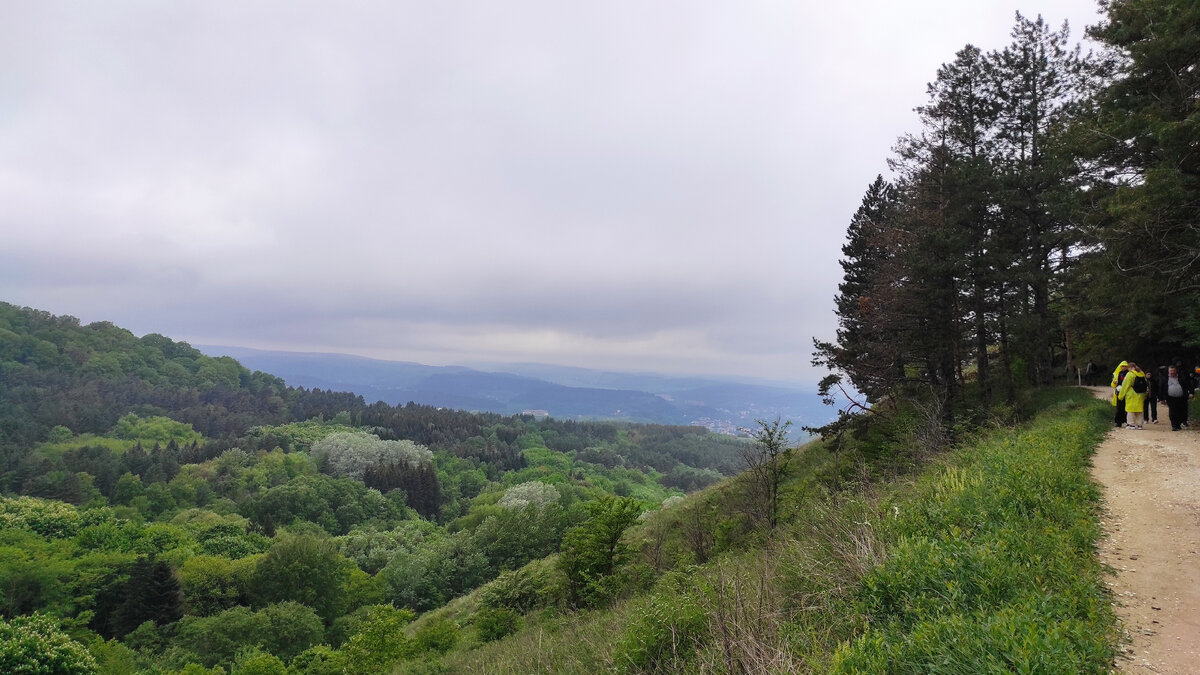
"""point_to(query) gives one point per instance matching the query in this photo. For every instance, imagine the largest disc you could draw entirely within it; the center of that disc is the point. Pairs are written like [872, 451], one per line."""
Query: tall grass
[991, 564]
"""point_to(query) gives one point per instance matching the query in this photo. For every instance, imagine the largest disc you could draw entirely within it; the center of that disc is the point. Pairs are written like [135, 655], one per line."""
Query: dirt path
[1151, 482]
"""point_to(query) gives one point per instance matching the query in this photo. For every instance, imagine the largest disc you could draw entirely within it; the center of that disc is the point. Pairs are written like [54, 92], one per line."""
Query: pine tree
[1144, 132]
[948, 191]
[964, 255]
[150, 592]
[1148, 114]
[1039, 83]
[961, 118]
[865, 350]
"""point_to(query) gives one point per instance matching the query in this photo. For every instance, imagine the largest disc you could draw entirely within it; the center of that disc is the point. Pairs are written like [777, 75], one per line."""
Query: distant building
[537, 414]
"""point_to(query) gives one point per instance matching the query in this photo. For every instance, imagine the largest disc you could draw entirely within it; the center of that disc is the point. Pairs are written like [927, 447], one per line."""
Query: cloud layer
[651, 186]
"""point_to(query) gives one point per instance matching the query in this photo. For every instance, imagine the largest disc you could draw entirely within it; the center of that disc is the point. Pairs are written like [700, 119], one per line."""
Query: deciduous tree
[305, 569]
[36, 645]
[592, 551]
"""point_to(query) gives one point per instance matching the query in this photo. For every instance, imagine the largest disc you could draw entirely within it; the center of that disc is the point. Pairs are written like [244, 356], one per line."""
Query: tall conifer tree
[1145, 131]
[1039, 82]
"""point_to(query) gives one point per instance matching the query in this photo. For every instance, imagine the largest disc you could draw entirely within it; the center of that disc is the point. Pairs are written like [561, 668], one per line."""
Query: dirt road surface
[1151, 483]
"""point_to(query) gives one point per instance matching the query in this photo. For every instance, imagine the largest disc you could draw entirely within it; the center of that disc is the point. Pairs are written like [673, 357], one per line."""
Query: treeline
[1043, 215]
[56, 372]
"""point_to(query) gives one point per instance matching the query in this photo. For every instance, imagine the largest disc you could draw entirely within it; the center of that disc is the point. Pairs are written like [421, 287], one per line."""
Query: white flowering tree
[352, 454]
[533, 492]
[36, 645]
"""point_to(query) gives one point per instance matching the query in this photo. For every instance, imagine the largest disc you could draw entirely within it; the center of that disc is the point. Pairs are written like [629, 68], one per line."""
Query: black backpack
[1139, 385]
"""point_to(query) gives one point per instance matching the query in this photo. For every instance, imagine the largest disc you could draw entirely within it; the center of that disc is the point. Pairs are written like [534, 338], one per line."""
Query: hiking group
[1136, 394]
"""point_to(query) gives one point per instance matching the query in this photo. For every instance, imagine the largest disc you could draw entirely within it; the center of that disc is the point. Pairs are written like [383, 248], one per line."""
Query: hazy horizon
[523, 368]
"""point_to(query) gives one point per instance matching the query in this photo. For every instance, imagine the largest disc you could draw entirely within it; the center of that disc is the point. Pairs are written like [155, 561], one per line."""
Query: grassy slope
[991, 563]
[984, 562]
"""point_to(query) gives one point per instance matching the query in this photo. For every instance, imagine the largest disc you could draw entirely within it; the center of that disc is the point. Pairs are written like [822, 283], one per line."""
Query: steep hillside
[58, 372]
[983, 561]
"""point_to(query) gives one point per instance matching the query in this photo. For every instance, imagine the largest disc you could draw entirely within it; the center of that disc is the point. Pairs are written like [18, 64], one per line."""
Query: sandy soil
[1151, 482]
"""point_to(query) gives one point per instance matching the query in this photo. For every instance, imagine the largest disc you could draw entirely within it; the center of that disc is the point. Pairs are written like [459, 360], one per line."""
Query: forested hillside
[187, 510]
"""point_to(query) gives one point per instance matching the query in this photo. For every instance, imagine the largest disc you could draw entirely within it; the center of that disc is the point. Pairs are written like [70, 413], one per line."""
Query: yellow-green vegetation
[129, 431]
[982, 562]
[297, 435]
[174, 522]
[991, 562]
[544, 464]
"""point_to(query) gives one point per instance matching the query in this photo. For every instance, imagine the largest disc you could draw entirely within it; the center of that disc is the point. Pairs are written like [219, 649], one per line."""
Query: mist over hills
[563, 392]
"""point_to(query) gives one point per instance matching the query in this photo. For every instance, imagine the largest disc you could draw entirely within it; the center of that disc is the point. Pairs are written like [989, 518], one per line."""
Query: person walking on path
[1119, 418]
[1189, 385]
[1189, 388]
[1152, 394]
[1177, 396]
[1133, 392]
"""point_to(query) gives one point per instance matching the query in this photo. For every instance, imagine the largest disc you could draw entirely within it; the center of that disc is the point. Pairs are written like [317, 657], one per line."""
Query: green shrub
[254, 661]
[284, 629]
[318, 660]
[145, 638]
[494, 623]
[663, 637]
[733, 533]
[60, 434]
[290, 629]
[520, 590]
[380, 641]
[219, 638]
[197, 669]
[113, 658]
[346, 626]
[437, 636]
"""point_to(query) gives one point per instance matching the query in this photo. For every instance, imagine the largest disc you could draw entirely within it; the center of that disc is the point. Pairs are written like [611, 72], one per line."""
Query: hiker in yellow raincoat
[1120, 417]
[1135, 401]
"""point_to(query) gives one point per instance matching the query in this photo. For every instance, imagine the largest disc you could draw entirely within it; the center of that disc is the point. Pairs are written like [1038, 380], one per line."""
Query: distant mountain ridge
[564, 392]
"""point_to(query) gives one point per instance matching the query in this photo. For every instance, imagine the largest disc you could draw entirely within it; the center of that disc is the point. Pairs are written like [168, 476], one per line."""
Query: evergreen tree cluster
[1043, 215]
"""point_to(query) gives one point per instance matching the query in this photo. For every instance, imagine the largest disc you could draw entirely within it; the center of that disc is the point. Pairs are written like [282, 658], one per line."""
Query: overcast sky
[652, 185]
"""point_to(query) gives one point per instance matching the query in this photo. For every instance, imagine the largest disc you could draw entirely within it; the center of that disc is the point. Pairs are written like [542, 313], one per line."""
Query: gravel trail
[1151, 484]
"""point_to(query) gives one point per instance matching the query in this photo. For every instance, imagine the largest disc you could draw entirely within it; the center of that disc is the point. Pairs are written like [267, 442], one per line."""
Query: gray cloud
[659, 186]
